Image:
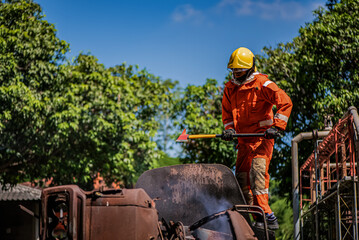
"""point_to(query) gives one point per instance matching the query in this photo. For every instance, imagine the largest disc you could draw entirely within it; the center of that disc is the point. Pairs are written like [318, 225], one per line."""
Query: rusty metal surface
[134, 197]
[122, 222]
[125, 214]
[327, 146]
[111, 214]
[190, 192]
[187, 193]
[75, 198]
[241, 227]
[207, 234]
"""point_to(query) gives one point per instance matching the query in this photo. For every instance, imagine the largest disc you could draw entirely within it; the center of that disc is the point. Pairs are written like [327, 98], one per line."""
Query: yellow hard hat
[241, 58]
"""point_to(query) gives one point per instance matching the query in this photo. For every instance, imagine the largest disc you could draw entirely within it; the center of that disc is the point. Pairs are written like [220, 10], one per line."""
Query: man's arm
[278, 97]
[227, 117]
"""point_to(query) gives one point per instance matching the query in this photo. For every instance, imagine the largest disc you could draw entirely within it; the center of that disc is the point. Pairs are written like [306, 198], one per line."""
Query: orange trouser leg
[242, 172]
[259, 183]
[242, 178]
[252, 172]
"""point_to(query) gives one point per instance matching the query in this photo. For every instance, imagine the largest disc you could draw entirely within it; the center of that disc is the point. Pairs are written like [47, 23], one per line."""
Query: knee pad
[257, 176]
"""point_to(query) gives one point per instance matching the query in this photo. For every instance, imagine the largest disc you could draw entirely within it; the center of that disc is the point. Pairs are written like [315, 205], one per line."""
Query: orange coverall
[247, 108]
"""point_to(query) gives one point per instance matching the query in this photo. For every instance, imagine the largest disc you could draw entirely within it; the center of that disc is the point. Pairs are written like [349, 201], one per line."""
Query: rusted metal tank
[71, 213]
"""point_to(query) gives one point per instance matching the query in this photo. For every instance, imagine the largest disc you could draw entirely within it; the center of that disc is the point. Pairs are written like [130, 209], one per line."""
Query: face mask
[240, 76]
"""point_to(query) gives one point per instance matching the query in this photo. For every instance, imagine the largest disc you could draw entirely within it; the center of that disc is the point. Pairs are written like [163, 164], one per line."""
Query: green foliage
[29, 51]
[318, 70]
[283, 211]
[166, 161]
[199, 110]
[70, 121]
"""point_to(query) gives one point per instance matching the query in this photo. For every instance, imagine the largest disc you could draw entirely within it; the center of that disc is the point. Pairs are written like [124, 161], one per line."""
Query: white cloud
[187, 13]
[281, 9]
[263, 9]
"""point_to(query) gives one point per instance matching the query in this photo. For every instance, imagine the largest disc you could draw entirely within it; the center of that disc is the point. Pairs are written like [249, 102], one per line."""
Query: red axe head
[183, 137]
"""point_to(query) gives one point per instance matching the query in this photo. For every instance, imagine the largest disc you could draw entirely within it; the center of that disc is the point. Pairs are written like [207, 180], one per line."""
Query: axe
[185, 137]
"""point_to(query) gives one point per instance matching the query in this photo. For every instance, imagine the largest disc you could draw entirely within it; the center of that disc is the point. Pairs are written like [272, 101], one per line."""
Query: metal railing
[327, 185]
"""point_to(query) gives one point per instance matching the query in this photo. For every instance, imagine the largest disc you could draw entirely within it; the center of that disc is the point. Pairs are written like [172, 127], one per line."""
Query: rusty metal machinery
[182, 202]
[329, 184]
[208, 193]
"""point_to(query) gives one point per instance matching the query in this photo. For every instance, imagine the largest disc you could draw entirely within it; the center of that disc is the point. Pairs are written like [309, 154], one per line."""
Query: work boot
[272, 222]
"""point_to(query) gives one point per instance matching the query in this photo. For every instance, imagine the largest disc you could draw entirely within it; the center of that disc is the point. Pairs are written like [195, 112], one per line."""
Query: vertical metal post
[317, 167]
[336, 221]
[355, 210]
[339, 217]
[319, 174]
[329, 185]
[352, 151]
[322, 181]
[336, 155]
[312, 185]
[295, 183]
[315, 134]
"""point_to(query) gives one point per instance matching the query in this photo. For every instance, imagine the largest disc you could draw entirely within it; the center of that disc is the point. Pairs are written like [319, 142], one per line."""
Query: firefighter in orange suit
[247, 108]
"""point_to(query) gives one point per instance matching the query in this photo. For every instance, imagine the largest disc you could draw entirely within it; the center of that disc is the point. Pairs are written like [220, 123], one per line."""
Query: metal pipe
[354, 112]
[333, 165]
[295, 178]
[316, 185]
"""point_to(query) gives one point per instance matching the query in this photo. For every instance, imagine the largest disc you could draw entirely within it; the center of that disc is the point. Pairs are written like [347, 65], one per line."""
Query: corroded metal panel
[62, 212]
[129, 214]
[189, 192]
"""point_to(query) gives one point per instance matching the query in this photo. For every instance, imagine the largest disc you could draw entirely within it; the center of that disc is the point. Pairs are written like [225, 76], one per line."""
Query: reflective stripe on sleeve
[260, 192]
[227, 124]
[281, 117]
[265, 123]
[267, 83]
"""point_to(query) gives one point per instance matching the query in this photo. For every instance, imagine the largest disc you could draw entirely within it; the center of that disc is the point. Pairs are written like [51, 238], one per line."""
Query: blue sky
[183, 40]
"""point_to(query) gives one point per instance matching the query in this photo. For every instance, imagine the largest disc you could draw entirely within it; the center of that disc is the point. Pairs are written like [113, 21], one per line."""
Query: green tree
[318, 69]
[199, 110]
[70, 120]
[29, 53]
[105, 122]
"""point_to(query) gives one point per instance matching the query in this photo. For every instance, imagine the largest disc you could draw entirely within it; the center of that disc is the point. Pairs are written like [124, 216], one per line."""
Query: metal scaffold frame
[328, 184]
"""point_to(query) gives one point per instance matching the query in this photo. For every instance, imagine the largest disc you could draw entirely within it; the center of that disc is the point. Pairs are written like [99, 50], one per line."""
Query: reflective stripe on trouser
[252, 171]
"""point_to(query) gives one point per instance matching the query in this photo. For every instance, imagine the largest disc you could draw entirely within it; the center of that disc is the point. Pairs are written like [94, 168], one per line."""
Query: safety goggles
[237, 70]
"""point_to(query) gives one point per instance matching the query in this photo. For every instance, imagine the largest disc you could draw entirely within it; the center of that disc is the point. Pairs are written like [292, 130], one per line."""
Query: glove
[227, 135]
[271, 133]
